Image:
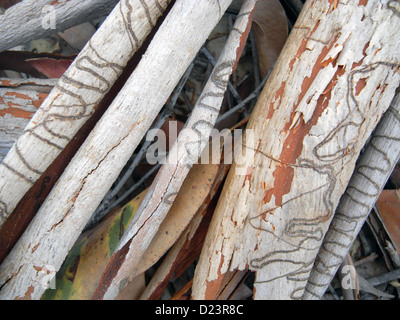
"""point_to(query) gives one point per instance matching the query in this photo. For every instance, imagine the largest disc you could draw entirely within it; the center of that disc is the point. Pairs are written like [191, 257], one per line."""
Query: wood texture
[75, 97]
[184, 153]
[23, 22]
[335, 77]
[371, 174]
[97, 164]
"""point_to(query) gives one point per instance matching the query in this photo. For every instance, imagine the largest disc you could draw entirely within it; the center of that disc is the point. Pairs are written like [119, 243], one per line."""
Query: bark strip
[75, 98]
[109, 146]
[370, 176]
[335, 77]
[184, 153]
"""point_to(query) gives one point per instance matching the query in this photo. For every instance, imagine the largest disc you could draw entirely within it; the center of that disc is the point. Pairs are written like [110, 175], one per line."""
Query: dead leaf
[51, 68]
[388, 206]
[270, 31]
[197, 190]
[78, 36]
[184, 252]
[38, 65]
[81, 271]
[369, 288]
[134, 289]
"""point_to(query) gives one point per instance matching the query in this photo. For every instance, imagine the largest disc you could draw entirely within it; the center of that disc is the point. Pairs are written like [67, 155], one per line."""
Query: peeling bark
[75, 98]
[109, 146]
[184, 153]
[309, 127]
[19, 100]
[370, 176]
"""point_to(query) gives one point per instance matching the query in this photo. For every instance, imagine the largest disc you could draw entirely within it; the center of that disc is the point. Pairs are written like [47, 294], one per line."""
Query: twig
[133, 188]
[296, 5]
[256, 60]
[242, 104]
[167, 112]
[333, 292]
[371, 173]
[183, 154]
[213, 62]
[384, 278]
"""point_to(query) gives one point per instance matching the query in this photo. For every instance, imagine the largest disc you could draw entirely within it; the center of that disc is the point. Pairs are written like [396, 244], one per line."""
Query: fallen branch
[184, 153]
[107, 149]
[335, 77]
[31, 19]
[75, 97]
[370, 176]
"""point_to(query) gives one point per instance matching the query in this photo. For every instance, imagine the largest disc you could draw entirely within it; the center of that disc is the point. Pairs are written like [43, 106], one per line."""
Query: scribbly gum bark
[373, 170]
[75, 98]
[333, 81]
[108, 147]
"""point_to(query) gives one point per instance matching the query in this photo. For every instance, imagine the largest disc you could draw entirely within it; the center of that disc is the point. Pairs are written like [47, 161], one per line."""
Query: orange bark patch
[16, 112]
[362, 2]
[36, 103]
[243, 39]
[8, 83]
[41, 97]
[303, 46]
[283, 181]
[28, 294]
[359, 63]
[278, 95]
[293, 145]
[333, 5]
[213, 288]
[55, 2]
[360, 85]
[18, 95]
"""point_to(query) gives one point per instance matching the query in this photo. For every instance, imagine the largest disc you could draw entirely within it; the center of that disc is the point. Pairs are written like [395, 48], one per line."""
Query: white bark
[97, 164]
[184, 153]
[31, 19]
[335, 77]
[370, 176]
[75, 97]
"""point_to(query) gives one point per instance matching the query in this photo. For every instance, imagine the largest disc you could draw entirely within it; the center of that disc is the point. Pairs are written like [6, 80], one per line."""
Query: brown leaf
[134, 289]
[38, 65]
[270, 31]
[5, 4]
[197, 190]
[78, 36]
[388, 206]
[184, 252]
[50, 67]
